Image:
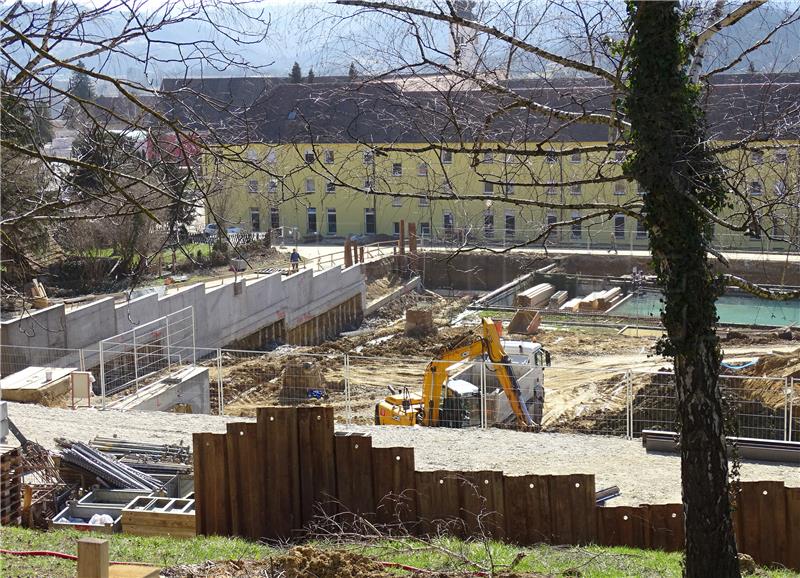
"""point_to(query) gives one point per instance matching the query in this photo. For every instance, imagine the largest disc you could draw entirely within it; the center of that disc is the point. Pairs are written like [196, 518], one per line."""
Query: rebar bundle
[115, 473]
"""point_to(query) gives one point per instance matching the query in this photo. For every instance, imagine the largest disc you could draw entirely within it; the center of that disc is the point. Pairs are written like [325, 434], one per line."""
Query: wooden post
[92, 558]
[401, 243]
[348, 256]
[361, 254]
[412, 238]
[354, 247]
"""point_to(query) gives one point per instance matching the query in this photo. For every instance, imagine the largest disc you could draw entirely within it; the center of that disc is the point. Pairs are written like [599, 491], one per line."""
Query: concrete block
[88, 325]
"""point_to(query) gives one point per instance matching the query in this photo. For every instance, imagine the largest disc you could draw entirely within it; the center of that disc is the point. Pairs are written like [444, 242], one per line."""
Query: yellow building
[334, 162]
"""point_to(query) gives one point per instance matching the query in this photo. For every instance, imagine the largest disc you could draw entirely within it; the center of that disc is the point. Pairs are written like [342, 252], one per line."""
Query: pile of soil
[298, 562]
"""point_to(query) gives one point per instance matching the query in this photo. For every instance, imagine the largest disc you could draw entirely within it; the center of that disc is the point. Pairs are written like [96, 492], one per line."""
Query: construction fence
[560, 398]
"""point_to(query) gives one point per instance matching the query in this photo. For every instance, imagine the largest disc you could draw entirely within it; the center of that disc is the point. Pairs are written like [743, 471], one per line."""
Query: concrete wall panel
[88, 325]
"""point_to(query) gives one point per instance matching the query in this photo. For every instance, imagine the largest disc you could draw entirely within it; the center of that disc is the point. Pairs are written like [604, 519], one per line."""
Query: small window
[396, 228]
[271, 157]
[330, 187]
[272, 186]
[551, 158]
[620, 188]
[757, 157]
[329, 157]
[488, 224]
[252, 186]
[255, 220]
[488, 158]
[641, 232]
[310, 157]
[369, 156]
[447, 157]
[425, 229]
[274, 218]
[575, 189]
[551, 189]
[397, 201]
[370, 222]
[781, 156]
[312, 219]
[368, 184]
[488, 188]
[448, 222]
[252, 155]
[509, 189]
[424, 202]
[779, 227]
[551, 220]
[447, 189]
[422, 170]
[331, 221]
[780, 188]
[619, 156]
[511, 225]
[575, 158]
[756, 188]
[397, 169]
[576, 228]
[619, 226]
[311, 186]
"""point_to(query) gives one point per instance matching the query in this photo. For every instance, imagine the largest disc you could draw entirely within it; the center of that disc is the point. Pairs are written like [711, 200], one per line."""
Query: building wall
[335, 181]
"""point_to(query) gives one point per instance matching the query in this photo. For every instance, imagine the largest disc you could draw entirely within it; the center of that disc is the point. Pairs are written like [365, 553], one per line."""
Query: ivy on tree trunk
[672, 162]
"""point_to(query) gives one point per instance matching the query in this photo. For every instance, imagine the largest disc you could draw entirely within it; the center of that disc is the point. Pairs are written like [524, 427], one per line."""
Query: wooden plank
[793, 528]
[354, 474]
[394, 485]
[211, 484]
[277, 435]
[582, 508]
[438, 507]
[317, 461]
[133, 571]
[482, 504]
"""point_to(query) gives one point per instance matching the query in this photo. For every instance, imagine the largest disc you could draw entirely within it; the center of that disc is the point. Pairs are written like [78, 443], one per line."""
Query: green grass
[443, 554]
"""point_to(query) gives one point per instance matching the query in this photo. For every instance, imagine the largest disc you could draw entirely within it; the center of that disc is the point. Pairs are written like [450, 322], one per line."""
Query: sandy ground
[642, 477]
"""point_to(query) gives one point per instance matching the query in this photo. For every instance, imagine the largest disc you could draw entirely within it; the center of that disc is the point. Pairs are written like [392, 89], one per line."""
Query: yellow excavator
[441, 405]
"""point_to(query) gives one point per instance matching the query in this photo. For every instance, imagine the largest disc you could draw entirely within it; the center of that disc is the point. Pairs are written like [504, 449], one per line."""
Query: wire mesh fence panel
[385, 390]
[15, 358]
[654, 401]
[793, 410]
[755, 406]
[586, 400]
[250, 379]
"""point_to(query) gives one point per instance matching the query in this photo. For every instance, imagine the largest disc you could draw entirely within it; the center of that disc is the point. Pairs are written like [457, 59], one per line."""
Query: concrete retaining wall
[222, 315]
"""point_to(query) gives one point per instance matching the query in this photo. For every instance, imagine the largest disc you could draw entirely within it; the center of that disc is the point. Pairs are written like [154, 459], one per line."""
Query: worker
[294, 259]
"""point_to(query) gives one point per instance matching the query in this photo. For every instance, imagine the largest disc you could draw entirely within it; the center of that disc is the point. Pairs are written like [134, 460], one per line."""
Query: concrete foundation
[188, 387]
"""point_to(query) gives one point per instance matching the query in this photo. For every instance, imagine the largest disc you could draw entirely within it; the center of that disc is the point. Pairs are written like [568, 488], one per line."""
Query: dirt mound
[427, 346]
[299, 562]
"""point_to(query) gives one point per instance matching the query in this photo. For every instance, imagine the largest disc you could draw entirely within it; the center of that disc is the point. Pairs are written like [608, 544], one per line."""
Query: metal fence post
[484, 417]
[135, 363]
[629, 405]
[348, 409]
[81, 360]
[220, 397]
[789, 413]
[102, 378]
[169, 359]
[194, 353]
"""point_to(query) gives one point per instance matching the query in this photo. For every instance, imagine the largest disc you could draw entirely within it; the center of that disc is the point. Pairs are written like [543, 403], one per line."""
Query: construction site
[466, 377]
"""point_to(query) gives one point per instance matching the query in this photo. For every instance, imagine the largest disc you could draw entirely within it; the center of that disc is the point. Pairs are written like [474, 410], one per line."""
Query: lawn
[444, 554]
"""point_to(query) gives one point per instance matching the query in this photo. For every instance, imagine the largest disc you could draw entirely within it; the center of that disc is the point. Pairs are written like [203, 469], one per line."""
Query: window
[311, 186]
[312, 220]
[422, 170]
[252, 155]
[369, 156]
[509, 189]
[424, 202]
[779, 227]
[447, 223]
[367, 184]
[330, 187]
[619, 226]
[577, 226]
[396, 228]
[271, 157]
[425, 229]
[272, 186]
[551, 189]
[551, 220]
[511, 225]
[620, 188]
[488, 158]
[397, 169]
[575, 189]
[255, 220]
[551, 158]
[488, 188]
[369, 221]
[447, 157]
[447, 189]
[488, 224]
[641, 232]
[757, 157]
[274, 218]
[781, 156]
[780, 188]
[252, 186]
[619, 156]
[310, 157]
[755, 188]
[397, 201]
[329, 157]
[575, 158]
[331, 221]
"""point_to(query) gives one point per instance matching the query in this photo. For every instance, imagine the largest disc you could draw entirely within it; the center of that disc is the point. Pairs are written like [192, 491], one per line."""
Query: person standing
[294, 259]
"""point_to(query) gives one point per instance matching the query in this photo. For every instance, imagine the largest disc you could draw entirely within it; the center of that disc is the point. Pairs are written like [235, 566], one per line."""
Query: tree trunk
[683, 184]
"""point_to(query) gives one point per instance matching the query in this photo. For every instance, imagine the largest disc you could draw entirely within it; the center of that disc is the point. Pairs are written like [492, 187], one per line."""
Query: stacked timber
[10, 486]
[600, 300]
[557, 299]
[572, 305]
[536, 297]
